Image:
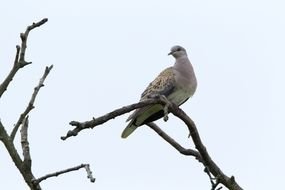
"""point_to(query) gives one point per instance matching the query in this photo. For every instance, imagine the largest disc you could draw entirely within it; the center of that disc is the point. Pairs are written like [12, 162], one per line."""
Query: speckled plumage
[162, 84]
[176, 83]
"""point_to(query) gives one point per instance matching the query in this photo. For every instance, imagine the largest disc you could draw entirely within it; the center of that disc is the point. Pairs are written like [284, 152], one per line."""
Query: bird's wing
[163, 84]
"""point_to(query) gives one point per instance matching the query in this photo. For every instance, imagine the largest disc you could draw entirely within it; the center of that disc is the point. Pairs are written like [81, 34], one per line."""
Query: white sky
[106, 52]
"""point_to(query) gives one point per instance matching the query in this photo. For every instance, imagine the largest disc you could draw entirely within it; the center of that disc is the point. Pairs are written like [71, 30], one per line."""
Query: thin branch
[2, 131]
[9, 78]
[79, 126]
[19, 61]
[55, 174]
[208, 162]
[24, 38]
[25, 144]
[18, 48]
[89, 173]
[31, 102]
[182, 150]
[176, 145]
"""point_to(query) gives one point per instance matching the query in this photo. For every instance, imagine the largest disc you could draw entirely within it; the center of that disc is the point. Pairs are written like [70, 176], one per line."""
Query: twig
[19, 61]
[31, 102]
[25, 144]
[55, 174]
[89, 173]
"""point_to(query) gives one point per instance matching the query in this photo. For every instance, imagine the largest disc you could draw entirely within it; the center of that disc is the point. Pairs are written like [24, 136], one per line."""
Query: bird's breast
[179, 96]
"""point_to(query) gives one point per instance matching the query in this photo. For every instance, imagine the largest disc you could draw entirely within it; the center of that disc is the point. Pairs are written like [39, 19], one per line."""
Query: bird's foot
[166, 106]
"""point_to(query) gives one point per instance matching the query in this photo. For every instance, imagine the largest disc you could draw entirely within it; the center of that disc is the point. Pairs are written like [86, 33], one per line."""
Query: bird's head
[177, 51]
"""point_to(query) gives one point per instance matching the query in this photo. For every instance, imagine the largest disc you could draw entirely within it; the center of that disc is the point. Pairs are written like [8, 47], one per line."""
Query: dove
[177, 84]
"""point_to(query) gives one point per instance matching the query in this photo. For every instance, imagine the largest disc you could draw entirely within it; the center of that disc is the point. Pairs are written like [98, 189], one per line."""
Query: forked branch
[30, 105]
[19, 61]
[25, 165]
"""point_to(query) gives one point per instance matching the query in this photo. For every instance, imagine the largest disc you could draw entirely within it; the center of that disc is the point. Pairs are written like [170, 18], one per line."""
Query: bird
[177, 84]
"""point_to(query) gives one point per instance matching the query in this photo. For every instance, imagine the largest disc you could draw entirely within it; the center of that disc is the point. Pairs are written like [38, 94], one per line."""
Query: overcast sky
[106, 52]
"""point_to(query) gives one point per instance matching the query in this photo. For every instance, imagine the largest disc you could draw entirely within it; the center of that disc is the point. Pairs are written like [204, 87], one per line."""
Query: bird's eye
[179, 49]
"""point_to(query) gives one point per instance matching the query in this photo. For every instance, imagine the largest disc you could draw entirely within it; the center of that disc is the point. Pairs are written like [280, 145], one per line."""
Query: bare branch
[24, 38]
[176, 145]
[24, 166]
[19, 61]
[202, 154]
[26, 172]
[25, 144]
[208, 162]
[9, 78]
[55, 174]
[184, 151]
[31, 102]
[89, 173]
[18, 48]
[3, 133]
[79, 126]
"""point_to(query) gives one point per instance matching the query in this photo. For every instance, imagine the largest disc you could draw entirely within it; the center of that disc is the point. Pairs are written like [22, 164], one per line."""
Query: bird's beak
[170, 53]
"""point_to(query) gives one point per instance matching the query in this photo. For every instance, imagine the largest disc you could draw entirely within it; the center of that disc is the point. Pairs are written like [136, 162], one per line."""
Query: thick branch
[31, 102]
[55, 174]
[19, 61]
[26, 173]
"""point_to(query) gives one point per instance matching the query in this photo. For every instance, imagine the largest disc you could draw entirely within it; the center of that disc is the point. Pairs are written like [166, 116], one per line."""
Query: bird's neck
[184, 66]
[182, 61]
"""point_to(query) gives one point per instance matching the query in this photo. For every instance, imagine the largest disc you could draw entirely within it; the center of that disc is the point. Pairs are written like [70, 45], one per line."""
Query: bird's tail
[129, 130]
